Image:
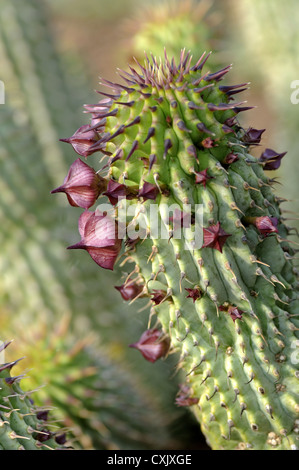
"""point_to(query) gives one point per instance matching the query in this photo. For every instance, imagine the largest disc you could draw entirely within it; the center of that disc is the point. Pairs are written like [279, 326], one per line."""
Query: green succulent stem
[229, 305]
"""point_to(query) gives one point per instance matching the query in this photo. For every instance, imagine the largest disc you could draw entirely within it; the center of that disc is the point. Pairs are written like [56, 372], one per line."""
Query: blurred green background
[52, 53]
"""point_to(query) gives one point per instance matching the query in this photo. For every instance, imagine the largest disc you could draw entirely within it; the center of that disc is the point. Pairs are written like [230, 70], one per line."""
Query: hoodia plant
[194, 216]
[24, 426]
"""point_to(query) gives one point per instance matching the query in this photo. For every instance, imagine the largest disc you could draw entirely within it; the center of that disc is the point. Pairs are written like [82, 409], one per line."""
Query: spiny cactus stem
[227, 305]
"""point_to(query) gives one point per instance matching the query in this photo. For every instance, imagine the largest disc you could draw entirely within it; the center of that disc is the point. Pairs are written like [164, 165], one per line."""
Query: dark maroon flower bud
[208, 143]
[129, 290]
[82, 185]
[44, 435]
[42, 415]
[265, 224]
[183, 397]
[194, 294]
[230, 158]
[253, 136]
[186, 401]
[271, 159]
[99, 238]
[148, 191]
[158, 295]
[234, 312]
[214, 237]
[115, 191]
[60, 439]
[82, 140]
[152, 344]
[231, 122]
[201, 177]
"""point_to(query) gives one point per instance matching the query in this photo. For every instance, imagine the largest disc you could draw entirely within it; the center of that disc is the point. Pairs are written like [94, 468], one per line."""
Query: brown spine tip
[133, 149]
[151, 133]
[167, 147]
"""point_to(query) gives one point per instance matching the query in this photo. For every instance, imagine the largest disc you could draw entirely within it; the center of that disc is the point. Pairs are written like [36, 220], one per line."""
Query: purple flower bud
[266, 224]
[42, 415]
[152, 345]
[158, 295]
[253, 136]
[230, 158]
[99, 238]
[208, 143]
[214, 237]
[116, 191]
[234, 312]
[148, 191]
[201, 177]
[82, 140]
[271, 159]
[130, 290]
[231, 122]
[183, 397]
[60, 439]
[82, 185]
[194, 293]
[44, 435]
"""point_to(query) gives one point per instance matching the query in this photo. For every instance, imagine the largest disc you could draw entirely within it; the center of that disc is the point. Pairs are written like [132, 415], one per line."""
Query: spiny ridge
[24, 426]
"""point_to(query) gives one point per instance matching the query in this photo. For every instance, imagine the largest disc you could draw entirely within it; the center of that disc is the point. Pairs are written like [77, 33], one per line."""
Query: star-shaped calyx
[194, 293]
[214, 237]
[234, 312]
[201, 177]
